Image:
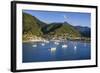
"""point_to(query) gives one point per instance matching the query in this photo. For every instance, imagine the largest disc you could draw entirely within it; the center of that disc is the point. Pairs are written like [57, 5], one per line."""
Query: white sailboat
[53, 49]
[75, 48]
[46, 41]
[34, 45]
[42, 44]
[64, 46]
[56, 43]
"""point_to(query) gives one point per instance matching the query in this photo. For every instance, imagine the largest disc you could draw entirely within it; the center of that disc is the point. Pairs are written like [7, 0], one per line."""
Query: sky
[73, 18]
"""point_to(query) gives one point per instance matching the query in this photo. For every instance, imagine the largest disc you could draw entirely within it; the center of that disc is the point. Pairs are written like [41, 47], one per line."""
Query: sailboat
[64, 46]
[75, 48]
[34, 45]
[46, 41]
[56, 43]
[42, 44]
[53, 49]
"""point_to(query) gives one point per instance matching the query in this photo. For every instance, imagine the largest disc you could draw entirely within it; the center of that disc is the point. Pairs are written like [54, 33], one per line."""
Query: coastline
[45, 40]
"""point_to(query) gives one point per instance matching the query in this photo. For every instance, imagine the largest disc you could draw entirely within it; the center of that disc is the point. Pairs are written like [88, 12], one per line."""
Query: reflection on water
[53, 51]
[56, 51]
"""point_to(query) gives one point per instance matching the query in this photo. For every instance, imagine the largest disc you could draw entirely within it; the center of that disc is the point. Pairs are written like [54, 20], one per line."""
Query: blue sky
[74, 18]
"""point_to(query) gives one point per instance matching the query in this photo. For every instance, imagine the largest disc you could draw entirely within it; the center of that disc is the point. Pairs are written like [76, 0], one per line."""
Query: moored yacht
[34, 45]
[64, 46]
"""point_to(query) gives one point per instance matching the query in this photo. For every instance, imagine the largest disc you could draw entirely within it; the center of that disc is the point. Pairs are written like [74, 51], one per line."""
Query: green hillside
[62, 30]
[32, 26]
[67, 30]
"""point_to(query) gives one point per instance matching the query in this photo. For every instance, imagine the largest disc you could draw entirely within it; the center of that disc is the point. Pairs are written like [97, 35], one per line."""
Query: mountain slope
[67, 30]
[31, 25]
[64, 30]
[84, 31]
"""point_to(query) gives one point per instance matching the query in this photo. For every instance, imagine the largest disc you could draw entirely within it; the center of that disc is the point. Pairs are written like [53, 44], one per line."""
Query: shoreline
[25, 41]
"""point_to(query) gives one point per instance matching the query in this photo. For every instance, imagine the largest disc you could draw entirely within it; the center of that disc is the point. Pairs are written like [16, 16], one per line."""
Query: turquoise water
[56, 51]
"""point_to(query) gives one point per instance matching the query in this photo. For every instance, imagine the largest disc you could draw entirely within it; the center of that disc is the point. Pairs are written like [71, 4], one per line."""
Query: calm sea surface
[56, 51]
